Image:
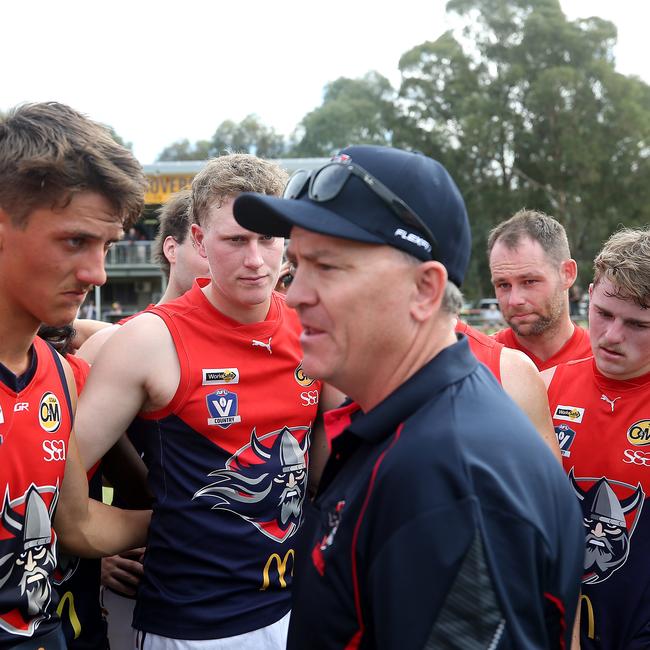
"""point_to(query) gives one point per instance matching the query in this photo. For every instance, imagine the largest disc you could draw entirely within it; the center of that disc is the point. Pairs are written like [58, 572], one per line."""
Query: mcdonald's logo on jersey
[49, 412]
[280, 565]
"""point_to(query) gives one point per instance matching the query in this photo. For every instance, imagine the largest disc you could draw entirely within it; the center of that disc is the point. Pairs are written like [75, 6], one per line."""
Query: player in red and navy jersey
[532, 272]
[218, 374]
[602, 420]
[66, 189]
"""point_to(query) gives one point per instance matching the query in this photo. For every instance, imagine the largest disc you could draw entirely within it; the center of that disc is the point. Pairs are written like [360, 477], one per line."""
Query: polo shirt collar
[448, 367]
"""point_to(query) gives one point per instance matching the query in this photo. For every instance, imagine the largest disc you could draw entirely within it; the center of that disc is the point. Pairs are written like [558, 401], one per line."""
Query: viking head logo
[265, 482]
[609, 523]
[26, 561]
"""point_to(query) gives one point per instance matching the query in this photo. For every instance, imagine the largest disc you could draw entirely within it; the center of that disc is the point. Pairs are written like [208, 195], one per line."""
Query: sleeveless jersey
[577, 347]
[77, 579]
[485, 348]
[35, 424]
[603, 430]
[228, 475]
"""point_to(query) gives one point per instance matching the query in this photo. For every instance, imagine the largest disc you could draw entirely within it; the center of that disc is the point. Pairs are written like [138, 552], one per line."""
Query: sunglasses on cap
[326, 183]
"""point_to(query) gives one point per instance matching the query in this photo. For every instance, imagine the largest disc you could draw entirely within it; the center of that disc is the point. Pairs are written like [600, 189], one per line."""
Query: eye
[75, 242]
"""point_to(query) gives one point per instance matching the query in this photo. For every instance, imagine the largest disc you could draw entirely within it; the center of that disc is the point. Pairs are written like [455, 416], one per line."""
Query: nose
[91, 269]
[598, 530]
[30, 565]
[515, 296]
[614, 331]
[253, 259]
[300, 292]
[292, 481]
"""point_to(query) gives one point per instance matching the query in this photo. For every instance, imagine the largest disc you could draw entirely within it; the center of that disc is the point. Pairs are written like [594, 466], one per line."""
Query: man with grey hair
[438, 487]
[532, 272]
[600, 410]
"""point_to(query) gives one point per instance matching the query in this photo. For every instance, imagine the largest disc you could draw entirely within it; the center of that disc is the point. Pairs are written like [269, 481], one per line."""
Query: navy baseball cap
[357, 211]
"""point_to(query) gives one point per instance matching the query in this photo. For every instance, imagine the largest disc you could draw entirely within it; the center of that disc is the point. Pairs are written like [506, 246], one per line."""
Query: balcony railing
[131, 253]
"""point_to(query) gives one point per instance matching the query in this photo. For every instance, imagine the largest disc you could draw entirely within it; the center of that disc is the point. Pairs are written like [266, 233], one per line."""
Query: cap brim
[271, 215]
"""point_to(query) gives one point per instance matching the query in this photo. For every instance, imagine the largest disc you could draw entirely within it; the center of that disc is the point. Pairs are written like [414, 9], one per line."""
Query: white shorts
[271, 637]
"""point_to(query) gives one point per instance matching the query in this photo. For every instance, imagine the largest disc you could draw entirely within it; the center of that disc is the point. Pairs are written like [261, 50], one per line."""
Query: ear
[568, 273]
[430, 282]
[591, 290]
[5, 222]
[197, 234]
[169, 249]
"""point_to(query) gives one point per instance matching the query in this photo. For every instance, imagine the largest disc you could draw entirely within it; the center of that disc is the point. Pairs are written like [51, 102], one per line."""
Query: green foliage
[183, 150]
[247, 136]
[526, 109]
[354, 111]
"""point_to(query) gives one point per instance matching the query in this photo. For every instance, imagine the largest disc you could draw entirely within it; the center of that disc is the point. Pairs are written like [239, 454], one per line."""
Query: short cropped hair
[229, 175]
[174, 221]
[624, 260]
[49, 151]
[539, 227]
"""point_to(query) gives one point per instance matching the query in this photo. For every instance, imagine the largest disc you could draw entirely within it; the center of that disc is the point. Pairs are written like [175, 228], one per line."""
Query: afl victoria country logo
[301, 377]
[49, 412]
[639, 433]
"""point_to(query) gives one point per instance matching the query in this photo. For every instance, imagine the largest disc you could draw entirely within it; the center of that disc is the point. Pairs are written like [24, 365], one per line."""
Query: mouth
[608, 352]
[597, 542]
[37, 577]
[254, 279]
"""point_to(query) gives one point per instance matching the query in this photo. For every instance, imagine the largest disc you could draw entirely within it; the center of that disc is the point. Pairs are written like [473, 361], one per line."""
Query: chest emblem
[261, 344]
[49, 413]
[639, 433]
[222, 407]
[611, 402]
[568, 413]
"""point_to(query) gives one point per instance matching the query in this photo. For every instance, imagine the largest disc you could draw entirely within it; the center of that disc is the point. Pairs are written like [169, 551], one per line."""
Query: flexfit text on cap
[357, 213]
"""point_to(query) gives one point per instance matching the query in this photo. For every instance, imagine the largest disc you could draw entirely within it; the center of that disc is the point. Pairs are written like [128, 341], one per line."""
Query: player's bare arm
[524, 384]
[136, 370]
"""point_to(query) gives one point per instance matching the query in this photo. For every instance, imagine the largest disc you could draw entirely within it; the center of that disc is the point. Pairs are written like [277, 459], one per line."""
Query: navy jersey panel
[442, 505]
[205, 569]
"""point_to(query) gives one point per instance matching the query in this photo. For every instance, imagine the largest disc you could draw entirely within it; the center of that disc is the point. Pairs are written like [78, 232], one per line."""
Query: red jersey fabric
[603, 429]
[228, 473]
[577, 347]
[485, 348]
[35, 425]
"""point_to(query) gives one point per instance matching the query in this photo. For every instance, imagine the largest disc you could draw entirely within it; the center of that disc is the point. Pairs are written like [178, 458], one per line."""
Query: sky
[160, 71]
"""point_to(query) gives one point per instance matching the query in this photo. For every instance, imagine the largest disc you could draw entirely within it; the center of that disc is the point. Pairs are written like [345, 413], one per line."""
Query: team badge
[639, 433]
[565, 436]
[216, 376]
[568, 413]
[49, 412]
[610, 511]
[222, 407]
[301, 377]
[27, 558]
[265, 482]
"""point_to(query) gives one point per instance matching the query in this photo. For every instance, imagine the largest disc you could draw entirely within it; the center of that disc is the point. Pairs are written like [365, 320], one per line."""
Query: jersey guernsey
[229, 475]
[603, 429]
[577, 347]
[485, 348]
[35, 424]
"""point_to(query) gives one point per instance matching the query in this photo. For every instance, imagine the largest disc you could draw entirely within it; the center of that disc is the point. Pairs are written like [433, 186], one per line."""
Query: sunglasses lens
[296, 184]
[328, 182]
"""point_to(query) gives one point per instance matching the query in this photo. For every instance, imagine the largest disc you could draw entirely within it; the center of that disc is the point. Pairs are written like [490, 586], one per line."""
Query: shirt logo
[604, 398]
[565, 437]
[222, 406]
[21, 406]
[261, 344]
[569, 413]
[639, 433]
[301, 377]
[216, 376]
[49, 413]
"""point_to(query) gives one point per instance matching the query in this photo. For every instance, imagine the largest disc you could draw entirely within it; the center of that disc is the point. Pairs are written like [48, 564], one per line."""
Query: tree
[354, 111]
[248, 136]
[526, 109]
[183, 150]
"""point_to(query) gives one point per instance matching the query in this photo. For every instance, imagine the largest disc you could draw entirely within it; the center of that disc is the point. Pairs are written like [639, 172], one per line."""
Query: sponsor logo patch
[568, 413]
[21, 406]
[565, 436]
[218, 376]
[301, 377]
[639, 433]
[636, 457]
[49, 413]
[222, 407]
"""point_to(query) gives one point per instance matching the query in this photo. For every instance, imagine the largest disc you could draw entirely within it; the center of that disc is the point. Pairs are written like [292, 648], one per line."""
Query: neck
[17, 333]
[549, 342]
[172, 292]
[245, 314]
[397, 367]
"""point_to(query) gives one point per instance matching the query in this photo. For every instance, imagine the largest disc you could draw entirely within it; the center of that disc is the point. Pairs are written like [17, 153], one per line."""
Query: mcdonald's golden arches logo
[281, 565]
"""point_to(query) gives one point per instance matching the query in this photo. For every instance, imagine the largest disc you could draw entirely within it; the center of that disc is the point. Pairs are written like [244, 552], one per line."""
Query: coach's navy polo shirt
[442, 517]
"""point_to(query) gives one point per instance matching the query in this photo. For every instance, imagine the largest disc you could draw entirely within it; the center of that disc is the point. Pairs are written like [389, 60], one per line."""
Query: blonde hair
[227, 176]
